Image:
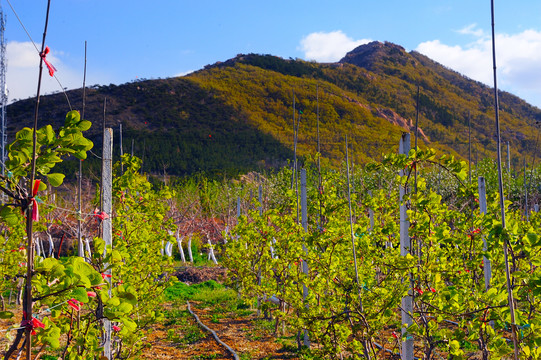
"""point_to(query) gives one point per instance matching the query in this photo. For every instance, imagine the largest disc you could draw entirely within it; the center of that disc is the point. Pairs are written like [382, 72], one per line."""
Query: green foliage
[271, 255]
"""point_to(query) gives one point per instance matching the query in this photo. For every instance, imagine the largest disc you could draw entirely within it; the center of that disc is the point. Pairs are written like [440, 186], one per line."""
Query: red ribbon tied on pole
[50, 66]
[35, 210]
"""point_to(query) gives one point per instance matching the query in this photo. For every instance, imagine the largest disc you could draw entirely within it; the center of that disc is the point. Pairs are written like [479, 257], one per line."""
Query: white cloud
[518, 60]
[328, 47]
[23, 68]
[184, 73]
[471, 30]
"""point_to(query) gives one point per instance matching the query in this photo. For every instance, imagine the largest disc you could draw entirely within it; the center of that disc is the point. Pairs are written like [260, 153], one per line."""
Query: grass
[209, 293]
[176, 317]
[48, 357]
[192, 334]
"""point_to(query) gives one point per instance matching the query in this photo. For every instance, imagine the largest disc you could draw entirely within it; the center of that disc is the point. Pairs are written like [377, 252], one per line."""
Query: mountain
[237, 115]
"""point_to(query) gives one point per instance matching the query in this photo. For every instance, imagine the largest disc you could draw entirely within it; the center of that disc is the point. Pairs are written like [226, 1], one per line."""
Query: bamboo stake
[502, 199]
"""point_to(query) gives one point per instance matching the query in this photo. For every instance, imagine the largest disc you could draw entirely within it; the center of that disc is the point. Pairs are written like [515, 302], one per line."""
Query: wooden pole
[405, 248]
[107, 226]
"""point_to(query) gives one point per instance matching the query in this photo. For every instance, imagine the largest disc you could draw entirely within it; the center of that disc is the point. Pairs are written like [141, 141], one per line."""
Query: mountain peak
[370, 55]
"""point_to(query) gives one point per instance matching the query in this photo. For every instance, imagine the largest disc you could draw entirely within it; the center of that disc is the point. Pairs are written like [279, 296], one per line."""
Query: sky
[131, 40]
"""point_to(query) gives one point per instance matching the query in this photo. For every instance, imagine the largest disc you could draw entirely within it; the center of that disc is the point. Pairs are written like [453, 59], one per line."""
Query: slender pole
[29, 221]
[80, 180]
[103, 131]
[416, 133]
[531, 176]
[525, 191]
[469, 146]
[319, 187]
[121, 151]
[502, 199]
[508, 158]
[294, 144]
[144, 150]
[296, 166]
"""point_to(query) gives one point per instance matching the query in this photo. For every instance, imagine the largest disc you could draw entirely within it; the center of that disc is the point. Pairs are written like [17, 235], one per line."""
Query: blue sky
[135, 39]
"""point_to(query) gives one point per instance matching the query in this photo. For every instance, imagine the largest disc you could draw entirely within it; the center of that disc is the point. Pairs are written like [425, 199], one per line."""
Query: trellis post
[107, 225]
[487, 269]
[405, 248]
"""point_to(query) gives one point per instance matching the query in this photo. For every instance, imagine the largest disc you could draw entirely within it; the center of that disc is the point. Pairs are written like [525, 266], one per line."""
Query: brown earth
[196, 275]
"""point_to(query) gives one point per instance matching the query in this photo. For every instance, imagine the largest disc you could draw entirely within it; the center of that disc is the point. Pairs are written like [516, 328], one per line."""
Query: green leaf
[80, 294]
[9, 215]
[24, 134]
[125, 307]
[46, 265]
[55, 179]
[72, 118]
[129, 324]
[84, 125]
[42, 186]
[49, 133]
[53, 337]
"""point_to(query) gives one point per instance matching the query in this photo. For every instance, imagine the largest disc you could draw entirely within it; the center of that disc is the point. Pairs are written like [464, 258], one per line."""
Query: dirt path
[248, 336]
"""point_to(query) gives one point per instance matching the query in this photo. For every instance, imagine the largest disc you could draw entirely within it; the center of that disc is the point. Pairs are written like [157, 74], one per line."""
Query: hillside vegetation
[237, 115]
